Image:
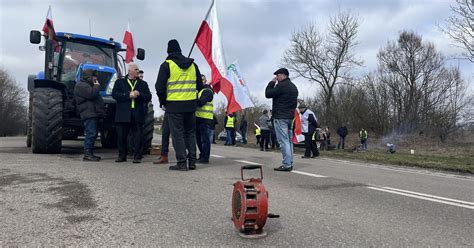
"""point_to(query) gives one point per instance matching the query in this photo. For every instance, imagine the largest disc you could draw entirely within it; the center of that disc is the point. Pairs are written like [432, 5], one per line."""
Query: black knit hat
[173, 47]
[282, 71]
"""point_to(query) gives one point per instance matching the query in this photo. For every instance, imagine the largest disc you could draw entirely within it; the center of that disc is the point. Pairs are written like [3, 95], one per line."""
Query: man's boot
[163, 159]
[94, 156]
[88, 156]
[179, 167]
[192, 164]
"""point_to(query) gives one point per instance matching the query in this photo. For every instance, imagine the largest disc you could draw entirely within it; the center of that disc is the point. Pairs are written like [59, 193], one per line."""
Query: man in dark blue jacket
[132, 95]
[90, 107]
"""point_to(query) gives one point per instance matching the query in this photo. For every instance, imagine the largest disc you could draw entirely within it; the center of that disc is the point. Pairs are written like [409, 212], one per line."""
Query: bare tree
[325, 59]
[460, 26]
[12, 106]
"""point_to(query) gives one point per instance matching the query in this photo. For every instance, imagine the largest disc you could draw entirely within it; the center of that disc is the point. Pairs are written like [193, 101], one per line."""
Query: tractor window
[78, 53]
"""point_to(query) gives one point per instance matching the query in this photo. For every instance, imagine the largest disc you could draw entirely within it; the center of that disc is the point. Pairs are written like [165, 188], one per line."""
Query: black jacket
[88, 100]
[243, 125]
[285, 95]
[123, 110]
[206, 96]
[342, 131]
[162, 80]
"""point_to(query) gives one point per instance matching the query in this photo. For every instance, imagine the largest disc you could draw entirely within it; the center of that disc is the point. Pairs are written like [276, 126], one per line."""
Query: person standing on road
[140, 74]
[243, 128]
[177, 85]
[204, 120]
[309, 123]
[363, 135]
[165, 141]
[132, 95]
[264, 123]
[90, 106]
[284, 94]
[273, 139]
[230, 122]
[215, 122]
[342, 132]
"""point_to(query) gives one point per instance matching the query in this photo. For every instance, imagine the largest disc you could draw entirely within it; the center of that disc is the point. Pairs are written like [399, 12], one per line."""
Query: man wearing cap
[309, 123]
[90, 106]
[132, 95]
[284, 94]
[177, 87]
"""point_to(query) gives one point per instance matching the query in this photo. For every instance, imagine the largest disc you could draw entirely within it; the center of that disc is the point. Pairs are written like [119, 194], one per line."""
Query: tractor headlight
[111, 84]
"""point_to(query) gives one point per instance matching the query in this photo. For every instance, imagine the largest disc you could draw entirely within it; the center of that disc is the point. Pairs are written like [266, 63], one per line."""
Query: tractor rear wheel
[108, 138]
[47, 120]
[148, 129]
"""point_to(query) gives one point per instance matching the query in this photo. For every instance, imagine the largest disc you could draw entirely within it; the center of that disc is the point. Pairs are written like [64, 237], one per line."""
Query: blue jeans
[90, 131]
[364, 144]
[342, 140]
[230, 137]
[203, 139]
[285, 135]
[212, 136]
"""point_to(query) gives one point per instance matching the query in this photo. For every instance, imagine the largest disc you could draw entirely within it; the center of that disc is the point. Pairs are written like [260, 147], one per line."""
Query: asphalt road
[58, 200]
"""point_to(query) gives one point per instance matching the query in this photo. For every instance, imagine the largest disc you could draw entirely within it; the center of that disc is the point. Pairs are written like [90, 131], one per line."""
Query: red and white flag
[48, 24]
[209, 42]
[297, 131]
[128, 40]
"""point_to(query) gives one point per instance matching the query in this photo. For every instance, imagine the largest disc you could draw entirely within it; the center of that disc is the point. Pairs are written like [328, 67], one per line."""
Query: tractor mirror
[35, 37]
[140, 53]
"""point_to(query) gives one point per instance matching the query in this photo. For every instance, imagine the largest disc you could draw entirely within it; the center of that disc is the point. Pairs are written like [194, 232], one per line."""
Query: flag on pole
[209, 42]
[297, 131]
[240, 88]
[48, 24]
[128, 40]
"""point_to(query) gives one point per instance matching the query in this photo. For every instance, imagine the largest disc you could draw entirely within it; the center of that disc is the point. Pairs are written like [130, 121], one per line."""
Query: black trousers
[183, 131]
[310, 145]
[264, 139]
[165, 136]
[123, 129]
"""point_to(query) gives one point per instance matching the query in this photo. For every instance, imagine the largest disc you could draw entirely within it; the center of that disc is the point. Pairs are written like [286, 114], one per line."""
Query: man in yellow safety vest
[177, 85]
[204, 120]
[229, 122]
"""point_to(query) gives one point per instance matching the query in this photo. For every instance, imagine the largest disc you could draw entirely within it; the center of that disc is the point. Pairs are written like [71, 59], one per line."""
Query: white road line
[433, 198]
[307, 174]
[217, 156]
[247, 162]
[406, 170]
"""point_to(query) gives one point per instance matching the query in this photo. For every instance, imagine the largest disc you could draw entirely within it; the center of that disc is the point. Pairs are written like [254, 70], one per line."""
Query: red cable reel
[250, 204]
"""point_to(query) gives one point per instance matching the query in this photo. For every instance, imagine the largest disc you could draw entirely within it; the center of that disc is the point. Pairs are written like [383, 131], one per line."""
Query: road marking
[406, 170]
[247, 162]
[307, 174]
[217, 156]
[433, 198]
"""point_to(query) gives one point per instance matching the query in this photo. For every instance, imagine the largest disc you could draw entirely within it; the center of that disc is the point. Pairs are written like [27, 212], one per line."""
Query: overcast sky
[254, 32]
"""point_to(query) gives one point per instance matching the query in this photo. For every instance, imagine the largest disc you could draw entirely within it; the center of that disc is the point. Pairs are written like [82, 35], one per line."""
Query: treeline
[412, 90]
[13, 110]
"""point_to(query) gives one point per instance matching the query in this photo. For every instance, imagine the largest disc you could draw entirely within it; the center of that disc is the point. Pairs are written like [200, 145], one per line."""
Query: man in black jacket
[90, 107]
[132, 95]
[285, 95]
[342, 132]
[177, 85]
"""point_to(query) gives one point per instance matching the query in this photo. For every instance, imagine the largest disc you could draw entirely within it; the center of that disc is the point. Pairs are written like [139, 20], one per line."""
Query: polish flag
[48, 24]
[209, 42]
[128, 40]
[297, 132]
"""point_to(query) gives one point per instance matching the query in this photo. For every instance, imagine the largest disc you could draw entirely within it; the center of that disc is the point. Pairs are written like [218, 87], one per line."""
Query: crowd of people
[186, 97]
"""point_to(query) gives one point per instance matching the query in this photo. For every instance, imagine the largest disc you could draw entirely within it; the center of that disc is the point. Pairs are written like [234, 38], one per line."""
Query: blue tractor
[52, 115]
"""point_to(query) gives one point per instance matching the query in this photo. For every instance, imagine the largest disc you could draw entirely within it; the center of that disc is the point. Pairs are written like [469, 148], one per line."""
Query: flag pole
[205, 18]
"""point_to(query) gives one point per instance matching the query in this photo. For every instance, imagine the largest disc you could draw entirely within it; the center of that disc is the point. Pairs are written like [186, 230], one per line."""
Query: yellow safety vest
[207, 110]
[181, 85]
[363, 134]
[257, 131]
[133, 88]
[230, 122]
